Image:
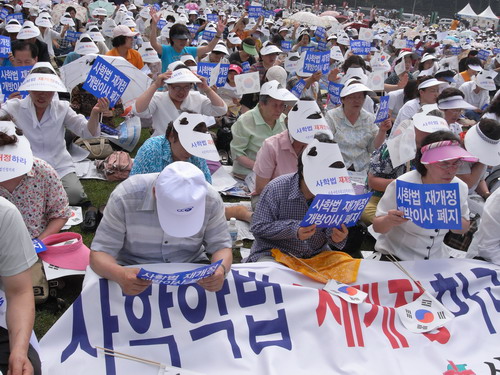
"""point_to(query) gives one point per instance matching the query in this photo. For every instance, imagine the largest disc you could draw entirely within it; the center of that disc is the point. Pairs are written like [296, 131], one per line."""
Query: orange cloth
[454, 24]
[465, 76]
[133, 57]
[329, 264]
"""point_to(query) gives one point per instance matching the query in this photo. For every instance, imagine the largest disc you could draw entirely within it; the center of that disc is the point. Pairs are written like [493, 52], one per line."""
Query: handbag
[99, 148]
[116, 167]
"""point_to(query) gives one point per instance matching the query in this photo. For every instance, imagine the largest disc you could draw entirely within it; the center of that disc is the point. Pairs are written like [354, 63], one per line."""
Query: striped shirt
[130, 229]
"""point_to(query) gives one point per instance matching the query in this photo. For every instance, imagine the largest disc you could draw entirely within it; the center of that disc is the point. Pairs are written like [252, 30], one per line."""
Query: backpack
[116, 167]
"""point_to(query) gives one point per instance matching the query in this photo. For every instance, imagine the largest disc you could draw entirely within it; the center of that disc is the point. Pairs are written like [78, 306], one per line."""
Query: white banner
[270, 320]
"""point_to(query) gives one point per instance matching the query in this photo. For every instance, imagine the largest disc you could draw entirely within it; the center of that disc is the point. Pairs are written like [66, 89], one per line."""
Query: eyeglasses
[445, 165]
[179, 89]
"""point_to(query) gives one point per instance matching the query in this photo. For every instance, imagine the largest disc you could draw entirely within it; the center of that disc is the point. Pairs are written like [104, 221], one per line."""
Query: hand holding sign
[130, 284]
[339, 234]
[101, 106]
[304, 233]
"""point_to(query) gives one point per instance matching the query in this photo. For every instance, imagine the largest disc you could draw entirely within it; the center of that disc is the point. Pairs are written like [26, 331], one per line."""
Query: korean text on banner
[331, 211]
[11, 78]
[317, 61]
[334, 90]
[383, 110]
[430, 206]
[360, 47]
[4, 46]
[104, 80]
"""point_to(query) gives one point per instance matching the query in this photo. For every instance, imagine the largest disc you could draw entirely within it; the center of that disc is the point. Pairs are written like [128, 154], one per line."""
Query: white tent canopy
[488, 13]
[467, 12]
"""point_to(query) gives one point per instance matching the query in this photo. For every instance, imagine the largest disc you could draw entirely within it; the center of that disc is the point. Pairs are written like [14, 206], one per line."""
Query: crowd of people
[285, 134]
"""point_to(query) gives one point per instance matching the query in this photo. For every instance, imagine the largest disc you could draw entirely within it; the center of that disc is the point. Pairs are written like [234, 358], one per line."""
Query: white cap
[181, 192]
[477, 68]
[275, 91]
[182, 76]
[428, 56]
[95, 34]
[219, 47]
[233, 39]
[129, 22]
[108, 26]
[188, 57]
[429, 124]
[305, 120]
[194, 141]
[353, 88]
[123, 30]
[277, 73]
[19, 155]
[99, 12]
[28, 31]
[486, 80]
[85, 45]
[148, 53]
[269, 49]
[42, 82]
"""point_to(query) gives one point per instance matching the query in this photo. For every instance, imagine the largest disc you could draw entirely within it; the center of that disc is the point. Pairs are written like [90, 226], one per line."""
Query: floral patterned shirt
[40, 197]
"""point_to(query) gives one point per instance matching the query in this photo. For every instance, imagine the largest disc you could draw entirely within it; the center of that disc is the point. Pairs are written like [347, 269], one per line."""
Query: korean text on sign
[179, 278]
[104, 80]
[11, 78]
[430, 206]
[331, 211]
[317, 61]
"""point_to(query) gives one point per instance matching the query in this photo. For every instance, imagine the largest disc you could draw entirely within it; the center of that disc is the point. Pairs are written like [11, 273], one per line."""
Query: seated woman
[166, 106]
[176, 145]
[284, 203]
[44, 118]
[33, 187]
[436, 161]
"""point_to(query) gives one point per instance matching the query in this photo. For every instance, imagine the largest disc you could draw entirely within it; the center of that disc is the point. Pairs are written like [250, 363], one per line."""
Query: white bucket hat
[181, 192]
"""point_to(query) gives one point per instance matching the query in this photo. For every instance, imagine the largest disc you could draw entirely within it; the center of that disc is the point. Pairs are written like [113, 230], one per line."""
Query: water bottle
[233, 230]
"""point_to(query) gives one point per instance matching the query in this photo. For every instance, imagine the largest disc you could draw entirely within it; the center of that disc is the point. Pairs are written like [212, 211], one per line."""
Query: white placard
[247, 83]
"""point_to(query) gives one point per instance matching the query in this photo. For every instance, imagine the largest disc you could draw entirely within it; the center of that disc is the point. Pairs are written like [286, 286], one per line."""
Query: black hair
[178, 29]
[5, 139]
[494, 106]
[473, 61]
[490, 128]
[440, 135]
[170, 18]
[419, 81]
[43, 70]
[321, 137]
[69, 9]
[22, 45]
[410, 90]
[353, 60]
[118, 41]
[449, 92]
[302, 36]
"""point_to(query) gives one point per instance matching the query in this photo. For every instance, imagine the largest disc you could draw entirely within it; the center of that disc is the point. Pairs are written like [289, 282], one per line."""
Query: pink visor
[73, 256]
[443, 151]
[236, 68]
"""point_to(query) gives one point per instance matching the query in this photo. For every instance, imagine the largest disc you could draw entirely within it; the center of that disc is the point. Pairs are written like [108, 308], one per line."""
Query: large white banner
[270, 320]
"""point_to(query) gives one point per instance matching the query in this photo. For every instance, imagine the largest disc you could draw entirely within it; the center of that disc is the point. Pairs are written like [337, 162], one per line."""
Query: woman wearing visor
[166, 106]
[437, 162]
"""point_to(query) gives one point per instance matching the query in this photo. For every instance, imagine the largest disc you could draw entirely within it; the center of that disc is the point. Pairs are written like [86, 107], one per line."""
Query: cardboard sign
[193, 29]
[410, 43]
[380, 61]
[161, 23]
[16, 16]
[376, 80]
[430, 206]
[104, 80]
[208, 35]
[4, 13]
[360, 47]
[331, 211]
[320, 33]
[212, 17]
[11, 78]
[400, 67]
[298, 88]
[286, 46]
[38, 245]
[4, 46]
[255, 11]
[247, 83]
[383, 110]
[455, 51]
[423, 315]
[365, 34]
[334, 90]
[72, 36]
[496, 51]
[179, 278]
[317, 61]
[322, 46]
[216, 74]
[245, 65]
[483, 54]
[344, 291]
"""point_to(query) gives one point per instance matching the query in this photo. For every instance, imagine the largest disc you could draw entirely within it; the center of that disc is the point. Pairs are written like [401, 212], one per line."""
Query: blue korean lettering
[209, 329]
[109, 325]
[139, 324]
[165, 301]
[269, 327]
[196, 314]
[173, 349]
[257, 294]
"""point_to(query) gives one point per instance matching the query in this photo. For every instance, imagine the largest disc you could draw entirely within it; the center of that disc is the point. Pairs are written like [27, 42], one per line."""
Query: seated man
[253, 127]
[173, 216]
[284, 203]
[17, 356]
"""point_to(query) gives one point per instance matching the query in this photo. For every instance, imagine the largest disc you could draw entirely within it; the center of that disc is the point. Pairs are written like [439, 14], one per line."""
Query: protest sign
[161, 23]
[400, 67]
[267, 318]
[399, 43]
[179, 278]
[254, 11]
[156, 6]
[193, 29]
[322, 46]
[212, 17]
[15, 16]
[483, 54]
[376, 80]
[129, 134]
[317, 61]
[383, 109]
[360, 47]
[72, 36]
[331, 211]
[245, 66]
[410, 43]
[419, 51]
[286, 46]
[456, 51]
[269, 13]
[380, 61]
[216, 74]
[11, 78]
[247, 83]
[208, 35]
[38, 245]
[306, 48]
[320, 33]
[334, 90]
[298, 88]
[430, 206]
[365, 34]
[4, 46]
[3, 13]
[104, 80]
